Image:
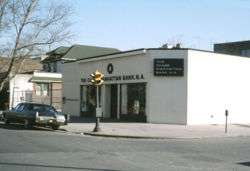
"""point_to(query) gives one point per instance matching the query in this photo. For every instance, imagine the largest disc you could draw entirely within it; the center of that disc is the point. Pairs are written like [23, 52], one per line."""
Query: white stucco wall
[217, 82]
[73, 72]
[21, 87]
[167, 95]
[211, 84]
[71, 88]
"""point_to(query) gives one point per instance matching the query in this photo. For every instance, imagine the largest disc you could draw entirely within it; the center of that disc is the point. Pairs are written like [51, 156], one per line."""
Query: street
[42, 149]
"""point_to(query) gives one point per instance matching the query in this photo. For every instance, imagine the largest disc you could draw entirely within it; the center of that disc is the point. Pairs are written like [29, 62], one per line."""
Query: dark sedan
[31, 114]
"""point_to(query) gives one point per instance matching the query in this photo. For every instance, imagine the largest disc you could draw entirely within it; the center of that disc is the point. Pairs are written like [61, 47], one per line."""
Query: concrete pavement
[159, 131]
[44, 150]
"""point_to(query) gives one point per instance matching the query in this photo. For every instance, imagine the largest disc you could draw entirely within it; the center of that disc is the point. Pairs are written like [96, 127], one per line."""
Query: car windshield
[43, 108]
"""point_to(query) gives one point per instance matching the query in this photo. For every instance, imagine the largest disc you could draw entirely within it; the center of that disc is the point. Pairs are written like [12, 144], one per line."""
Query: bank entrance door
[113, 101]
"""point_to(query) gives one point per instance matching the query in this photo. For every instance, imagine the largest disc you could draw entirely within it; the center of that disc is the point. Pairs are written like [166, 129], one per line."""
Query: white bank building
[174, 86]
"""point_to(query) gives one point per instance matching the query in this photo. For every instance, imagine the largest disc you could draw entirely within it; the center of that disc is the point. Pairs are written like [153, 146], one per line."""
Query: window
[50, 67]
[42, 89]
[88, 100]
[53, 67]
[46, 67]
[133, 99]
[245, 52]
[18, 106]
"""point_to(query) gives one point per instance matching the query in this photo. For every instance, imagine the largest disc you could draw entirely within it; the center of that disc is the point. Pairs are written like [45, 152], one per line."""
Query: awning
[45, 80]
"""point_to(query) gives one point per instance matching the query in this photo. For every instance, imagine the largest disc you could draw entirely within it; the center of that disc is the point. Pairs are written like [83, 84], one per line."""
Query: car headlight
[60, 118]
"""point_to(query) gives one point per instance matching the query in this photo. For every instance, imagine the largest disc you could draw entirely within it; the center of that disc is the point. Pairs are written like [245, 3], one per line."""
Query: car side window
[21, 108]
[29, 107]
[16, 108]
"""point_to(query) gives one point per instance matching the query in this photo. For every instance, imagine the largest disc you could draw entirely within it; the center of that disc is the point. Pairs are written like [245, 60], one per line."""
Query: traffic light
[96, 78]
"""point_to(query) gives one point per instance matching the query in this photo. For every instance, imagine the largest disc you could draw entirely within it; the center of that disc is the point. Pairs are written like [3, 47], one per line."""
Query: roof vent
[177, 46]
[166, 46]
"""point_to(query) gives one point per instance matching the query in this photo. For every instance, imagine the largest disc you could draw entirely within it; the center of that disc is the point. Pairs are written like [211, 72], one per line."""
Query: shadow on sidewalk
[54, 166]
[78, 119]
[16, 126]
[242, 125]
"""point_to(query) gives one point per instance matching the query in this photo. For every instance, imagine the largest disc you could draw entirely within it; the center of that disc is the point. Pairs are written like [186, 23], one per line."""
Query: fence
[53, 98]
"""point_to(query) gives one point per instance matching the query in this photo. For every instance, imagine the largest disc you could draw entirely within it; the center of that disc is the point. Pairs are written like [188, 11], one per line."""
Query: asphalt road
[48, 150]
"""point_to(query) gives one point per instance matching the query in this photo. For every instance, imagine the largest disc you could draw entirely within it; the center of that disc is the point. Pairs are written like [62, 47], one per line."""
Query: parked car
[31, 114]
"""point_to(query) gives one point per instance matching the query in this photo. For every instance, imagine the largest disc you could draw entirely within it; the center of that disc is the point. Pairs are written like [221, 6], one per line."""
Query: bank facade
[175, 86]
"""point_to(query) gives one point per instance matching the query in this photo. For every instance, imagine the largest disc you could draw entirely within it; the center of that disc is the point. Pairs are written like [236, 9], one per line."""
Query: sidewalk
[159, 131]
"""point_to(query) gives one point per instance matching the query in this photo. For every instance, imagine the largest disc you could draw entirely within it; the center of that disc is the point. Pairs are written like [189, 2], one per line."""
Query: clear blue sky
[130, 24]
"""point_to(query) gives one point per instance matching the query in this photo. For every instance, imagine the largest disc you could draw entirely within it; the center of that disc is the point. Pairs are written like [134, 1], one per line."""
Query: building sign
[118, 78]
[169, 67]
[110, 68]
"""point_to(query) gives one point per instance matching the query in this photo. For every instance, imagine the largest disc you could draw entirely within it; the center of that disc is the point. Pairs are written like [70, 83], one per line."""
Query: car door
[12, 114]
[19, 113]
[28, 112]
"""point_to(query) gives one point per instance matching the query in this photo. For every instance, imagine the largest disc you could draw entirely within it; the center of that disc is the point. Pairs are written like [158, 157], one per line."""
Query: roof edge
[140, 49]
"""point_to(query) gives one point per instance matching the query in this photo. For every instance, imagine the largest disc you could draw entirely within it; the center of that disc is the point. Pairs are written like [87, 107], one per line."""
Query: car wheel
[55, 127]
[27, 124]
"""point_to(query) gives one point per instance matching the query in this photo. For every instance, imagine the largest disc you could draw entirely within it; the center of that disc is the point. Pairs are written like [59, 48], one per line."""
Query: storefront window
[88, 100]
[133, 100]
[136, 99]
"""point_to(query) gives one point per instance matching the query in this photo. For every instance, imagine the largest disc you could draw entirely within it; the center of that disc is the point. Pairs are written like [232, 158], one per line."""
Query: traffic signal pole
[97, 80]
[97, 122]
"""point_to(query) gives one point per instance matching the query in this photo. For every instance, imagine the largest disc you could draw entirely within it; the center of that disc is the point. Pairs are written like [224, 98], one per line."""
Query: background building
[20, 89]
[47, 84]
[241, 48]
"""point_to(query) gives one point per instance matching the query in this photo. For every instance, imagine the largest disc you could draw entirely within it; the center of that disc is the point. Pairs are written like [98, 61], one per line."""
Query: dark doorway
[113, 101]
[4, 100]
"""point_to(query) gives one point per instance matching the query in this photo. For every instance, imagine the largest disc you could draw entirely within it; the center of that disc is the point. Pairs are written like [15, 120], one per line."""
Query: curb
[134, 137]
[147, 137]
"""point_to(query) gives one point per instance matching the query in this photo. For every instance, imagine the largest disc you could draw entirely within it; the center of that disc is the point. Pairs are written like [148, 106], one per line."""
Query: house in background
[53, 62]
[241, 48]
[47, 88]
[20, 89]
[47, 83]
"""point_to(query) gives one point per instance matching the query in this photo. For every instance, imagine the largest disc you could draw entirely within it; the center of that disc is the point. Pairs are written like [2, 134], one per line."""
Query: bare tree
[28, 28]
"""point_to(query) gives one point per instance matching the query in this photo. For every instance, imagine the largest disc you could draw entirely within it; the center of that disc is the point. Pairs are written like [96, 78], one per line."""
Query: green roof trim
[58, 51]
[77, 52]
[45, 80]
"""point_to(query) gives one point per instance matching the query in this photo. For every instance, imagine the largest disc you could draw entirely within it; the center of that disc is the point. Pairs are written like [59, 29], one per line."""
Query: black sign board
[169, 67]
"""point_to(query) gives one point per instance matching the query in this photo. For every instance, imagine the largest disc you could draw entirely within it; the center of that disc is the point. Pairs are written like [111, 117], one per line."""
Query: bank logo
[110, 68]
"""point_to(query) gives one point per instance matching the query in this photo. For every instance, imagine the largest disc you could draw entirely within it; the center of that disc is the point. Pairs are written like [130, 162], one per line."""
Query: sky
[131, 24]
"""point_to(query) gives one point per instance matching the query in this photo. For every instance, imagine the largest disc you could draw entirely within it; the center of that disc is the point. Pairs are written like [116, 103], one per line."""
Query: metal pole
[97, 96]
[226, 114]
[97, 125]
